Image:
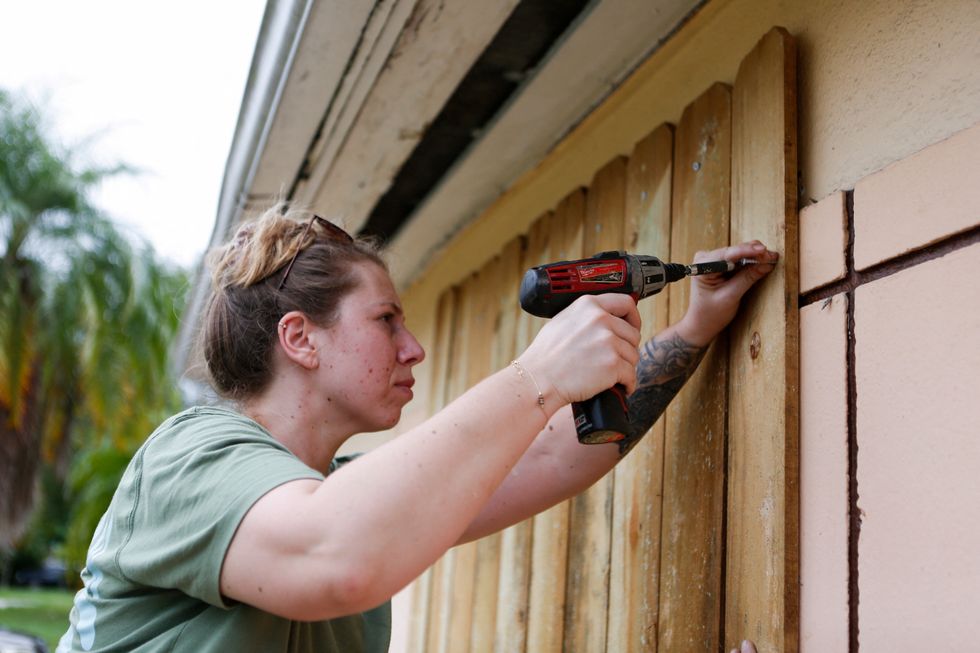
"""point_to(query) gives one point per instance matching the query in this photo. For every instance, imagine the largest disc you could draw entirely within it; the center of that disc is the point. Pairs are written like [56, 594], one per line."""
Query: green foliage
[86, 324]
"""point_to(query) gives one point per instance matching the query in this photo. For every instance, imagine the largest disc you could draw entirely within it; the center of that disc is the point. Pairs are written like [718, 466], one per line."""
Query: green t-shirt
[153, 568]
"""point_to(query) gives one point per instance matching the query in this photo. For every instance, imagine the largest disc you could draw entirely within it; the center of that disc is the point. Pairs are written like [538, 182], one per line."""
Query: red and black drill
[547, 289]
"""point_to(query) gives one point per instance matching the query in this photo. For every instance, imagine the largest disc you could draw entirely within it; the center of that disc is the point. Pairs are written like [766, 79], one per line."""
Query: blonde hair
[240, 323]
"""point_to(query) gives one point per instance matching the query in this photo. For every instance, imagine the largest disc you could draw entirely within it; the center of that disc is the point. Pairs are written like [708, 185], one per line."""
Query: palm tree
[85, 322]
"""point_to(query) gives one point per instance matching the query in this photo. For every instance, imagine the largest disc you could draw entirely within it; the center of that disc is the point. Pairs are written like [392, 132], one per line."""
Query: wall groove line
[853, 512]
[854, 278]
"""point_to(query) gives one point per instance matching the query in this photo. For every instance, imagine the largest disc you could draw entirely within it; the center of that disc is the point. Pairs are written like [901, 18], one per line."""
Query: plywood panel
[591, 513]
[762, 600]
[694, 449]
[549, 541]
[635, 560]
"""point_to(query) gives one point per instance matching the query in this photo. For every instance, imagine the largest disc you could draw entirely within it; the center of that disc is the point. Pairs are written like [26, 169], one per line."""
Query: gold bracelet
[521, 372]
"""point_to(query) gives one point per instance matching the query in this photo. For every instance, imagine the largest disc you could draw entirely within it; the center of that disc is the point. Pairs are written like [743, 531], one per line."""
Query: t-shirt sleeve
[193, 487]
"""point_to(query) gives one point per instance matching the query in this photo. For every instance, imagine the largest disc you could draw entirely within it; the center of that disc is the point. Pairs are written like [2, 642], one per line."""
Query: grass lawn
[40, 612]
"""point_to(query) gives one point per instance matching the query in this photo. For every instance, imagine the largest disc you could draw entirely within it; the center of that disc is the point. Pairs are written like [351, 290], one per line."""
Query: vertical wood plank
[424, 591]
[460, 610]
[481, 635]
[515, 542]
[444, 572]
[455, 597]
[635, 570]
[549, 539]
[763, 535]
[437, 630]
[694, 449]
[477, 563]
[514, 608]
[591, 512]
[486, 319]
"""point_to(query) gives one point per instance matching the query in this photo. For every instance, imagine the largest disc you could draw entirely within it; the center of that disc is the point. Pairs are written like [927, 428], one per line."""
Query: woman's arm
[314, 550]
[557, 467]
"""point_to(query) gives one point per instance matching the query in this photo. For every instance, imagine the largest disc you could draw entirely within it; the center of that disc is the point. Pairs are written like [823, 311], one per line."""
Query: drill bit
[713, 267]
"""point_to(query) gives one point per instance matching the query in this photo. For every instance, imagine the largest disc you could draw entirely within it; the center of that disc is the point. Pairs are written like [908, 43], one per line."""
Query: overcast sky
[156, 85]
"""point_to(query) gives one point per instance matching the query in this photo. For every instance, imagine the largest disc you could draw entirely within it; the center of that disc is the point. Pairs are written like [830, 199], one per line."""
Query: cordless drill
[547, 289]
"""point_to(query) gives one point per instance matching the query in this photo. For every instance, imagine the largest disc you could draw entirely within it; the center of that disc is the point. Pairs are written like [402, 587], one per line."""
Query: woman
[238, 530]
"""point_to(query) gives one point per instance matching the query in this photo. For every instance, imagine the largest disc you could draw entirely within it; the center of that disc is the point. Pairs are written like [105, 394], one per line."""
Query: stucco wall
[889, 415]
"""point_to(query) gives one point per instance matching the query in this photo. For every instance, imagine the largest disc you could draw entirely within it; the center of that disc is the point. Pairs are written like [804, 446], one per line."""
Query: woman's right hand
[587, 348]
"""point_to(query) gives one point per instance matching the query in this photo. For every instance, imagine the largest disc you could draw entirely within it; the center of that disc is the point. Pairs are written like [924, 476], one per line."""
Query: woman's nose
[410, 352]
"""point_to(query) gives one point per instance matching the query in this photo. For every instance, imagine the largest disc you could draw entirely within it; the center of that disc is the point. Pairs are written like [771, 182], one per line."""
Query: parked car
[14, 642]
[51, 573]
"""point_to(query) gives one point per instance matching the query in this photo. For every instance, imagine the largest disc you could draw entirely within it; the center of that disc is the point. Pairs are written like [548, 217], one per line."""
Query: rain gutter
[276, 46]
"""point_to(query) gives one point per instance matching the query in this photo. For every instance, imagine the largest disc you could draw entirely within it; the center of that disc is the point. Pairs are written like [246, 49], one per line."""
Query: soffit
[368, 78]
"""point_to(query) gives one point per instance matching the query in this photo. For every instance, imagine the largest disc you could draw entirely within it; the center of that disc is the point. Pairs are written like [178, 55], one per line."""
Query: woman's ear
[296, 340]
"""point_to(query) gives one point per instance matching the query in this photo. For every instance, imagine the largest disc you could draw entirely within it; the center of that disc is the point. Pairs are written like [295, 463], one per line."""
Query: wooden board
[423, 591]
[449, 363]
[762, 601]
[549, 540]
[635, 562]
[477, 563]
[587, 590]
[433, 53]
[454, 596]
[515, 542]
[694, 449]
[461, 597]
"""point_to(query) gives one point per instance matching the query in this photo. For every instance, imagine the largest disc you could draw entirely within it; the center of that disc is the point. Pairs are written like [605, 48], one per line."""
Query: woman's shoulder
[202, 422]
[204, 431]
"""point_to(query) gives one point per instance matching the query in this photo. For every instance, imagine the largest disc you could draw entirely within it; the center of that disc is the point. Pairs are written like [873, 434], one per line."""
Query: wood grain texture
[587, 594]
[455, 597]
[694, 450]
[509, 628]
[422, 618]
[762, 600]
[484, 317]
[432, 54]
[555, 237]
[488, 556]
[449, 364]
[634, 576]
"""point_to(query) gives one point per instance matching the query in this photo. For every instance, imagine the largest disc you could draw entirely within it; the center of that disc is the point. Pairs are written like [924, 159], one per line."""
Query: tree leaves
[86, 321]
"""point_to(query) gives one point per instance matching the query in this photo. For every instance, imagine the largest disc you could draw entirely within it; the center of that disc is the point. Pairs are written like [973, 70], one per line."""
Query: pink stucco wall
[823, 475]
[918, 421]
[915, 402]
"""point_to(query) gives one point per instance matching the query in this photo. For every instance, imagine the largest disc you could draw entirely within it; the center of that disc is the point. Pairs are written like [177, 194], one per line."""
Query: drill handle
[602, 418]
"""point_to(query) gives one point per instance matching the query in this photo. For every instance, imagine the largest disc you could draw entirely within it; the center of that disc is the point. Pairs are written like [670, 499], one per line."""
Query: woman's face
[367, 359]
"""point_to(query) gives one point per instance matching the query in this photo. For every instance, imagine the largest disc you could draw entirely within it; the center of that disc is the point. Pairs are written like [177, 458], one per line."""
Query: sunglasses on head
[332, 231]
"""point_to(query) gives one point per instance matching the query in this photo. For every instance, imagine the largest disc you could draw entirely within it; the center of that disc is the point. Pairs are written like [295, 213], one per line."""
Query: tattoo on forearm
[664, 367]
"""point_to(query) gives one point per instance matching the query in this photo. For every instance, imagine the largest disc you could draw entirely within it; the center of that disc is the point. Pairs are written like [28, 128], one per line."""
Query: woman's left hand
[715, 297]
